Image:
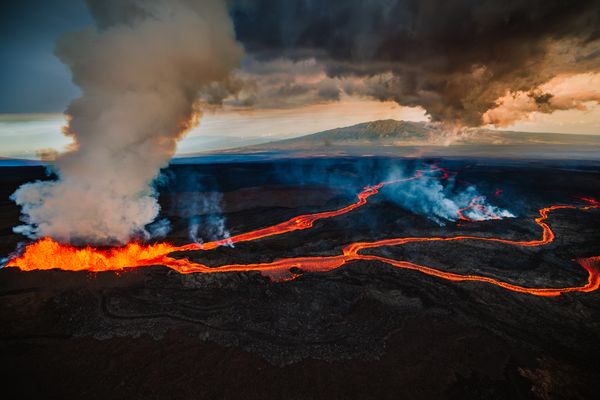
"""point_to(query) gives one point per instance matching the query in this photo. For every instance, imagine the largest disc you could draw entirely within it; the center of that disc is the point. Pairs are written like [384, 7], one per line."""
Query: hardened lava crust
[366, 329]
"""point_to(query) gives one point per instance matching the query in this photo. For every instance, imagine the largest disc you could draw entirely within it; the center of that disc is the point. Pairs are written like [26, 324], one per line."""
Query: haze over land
[405, 138]
[406, 133]
[219, 133]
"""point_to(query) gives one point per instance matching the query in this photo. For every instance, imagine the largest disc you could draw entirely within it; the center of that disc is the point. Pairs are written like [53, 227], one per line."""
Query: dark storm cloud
[276, 83]
[453, 57]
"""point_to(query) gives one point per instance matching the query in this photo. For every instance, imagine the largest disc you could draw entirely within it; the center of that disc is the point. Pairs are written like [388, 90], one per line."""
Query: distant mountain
[404, 133]
[376, 132]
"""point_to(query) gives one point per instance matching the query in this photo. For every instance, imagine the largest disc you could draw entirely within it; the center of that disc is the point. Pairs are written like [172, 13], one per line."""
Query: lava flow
[475, 204]
[48, 254]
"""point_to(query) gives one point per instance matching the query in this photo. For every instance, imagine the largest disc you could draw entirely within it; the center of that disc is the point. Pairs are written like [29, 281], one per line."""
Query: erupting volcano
[300, 199]
[48, 254]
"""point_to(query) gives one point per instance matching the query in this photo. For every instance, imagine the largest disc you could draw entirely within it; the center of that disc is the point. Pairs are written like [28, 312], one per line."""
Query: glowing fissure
[47, 254]
[476, 205]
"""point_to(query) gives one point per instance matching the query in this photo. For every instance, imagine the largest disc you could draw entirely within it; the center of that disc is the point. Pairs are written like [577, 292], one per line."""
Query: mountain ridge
[399, 133]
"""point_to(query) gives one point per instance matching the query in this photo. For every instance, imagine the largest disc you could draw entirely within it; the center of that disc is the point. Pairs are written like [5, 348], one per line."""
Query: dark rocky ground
[365, 331]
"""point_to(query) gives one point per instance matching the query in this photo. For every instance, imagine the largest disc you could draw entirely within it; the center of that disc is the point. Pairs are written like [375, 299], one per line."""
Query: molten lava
[48, 254]
[476, 204]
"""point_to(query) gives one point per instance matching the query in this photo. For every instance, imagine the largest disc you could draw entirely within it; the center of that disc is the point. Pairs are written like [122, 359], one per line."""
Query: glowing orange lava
[47, 254]
[476, 205]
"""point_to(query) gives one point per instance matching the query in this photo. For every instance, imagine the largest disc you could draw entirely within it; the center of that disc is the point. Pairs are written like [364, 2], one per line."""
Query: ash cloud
[277, 83]
[453, 58]
[140, 70]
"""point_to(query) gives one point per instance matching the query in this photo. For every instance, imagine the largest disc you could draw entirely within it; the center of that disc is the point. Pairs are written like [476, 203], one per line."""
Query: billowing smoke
[439, 199]
[442, 201]
[454, 58]
[140, 70]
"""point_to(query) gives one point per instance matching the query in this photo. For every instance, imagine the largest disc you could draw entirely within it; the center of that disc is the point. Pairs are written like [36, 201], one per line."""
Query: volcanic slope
[406, 133]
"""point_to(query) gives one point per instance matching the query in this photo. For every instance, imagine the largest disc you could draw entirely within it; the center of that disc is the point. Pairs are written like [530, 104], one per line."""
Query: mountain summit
[391, 132]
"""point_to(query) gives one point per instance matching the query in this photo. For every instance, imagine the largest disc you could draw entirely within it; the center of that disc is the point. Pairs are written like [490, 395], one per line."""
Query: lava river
[47, 254]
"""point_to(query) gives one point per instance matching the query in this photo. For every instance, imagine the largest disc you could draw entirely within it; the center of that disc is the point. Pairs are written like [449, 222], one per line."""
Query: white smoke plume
[140, 72]
[443, 203]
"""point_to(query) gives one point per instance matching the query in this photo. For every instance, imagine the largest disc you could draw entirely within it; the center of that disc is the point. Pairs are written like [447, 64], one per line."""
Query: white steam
[205, 218]
[443, 203]
[140, 73]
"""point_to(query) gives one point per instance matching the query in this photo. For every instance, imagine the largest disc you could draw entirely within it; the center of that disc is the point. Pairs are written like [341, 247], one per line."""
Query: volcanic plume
[140, 71]
[454, 58]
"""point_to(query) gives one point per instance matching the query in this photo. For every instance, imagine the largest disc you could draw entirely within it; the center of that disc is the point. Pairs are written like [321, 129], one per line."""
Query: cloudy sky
[309, 65]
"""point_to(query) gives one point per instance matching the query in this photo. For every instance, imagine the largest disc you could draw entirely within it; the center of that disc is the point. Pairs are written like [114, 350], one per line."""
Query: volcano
[323, 271]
